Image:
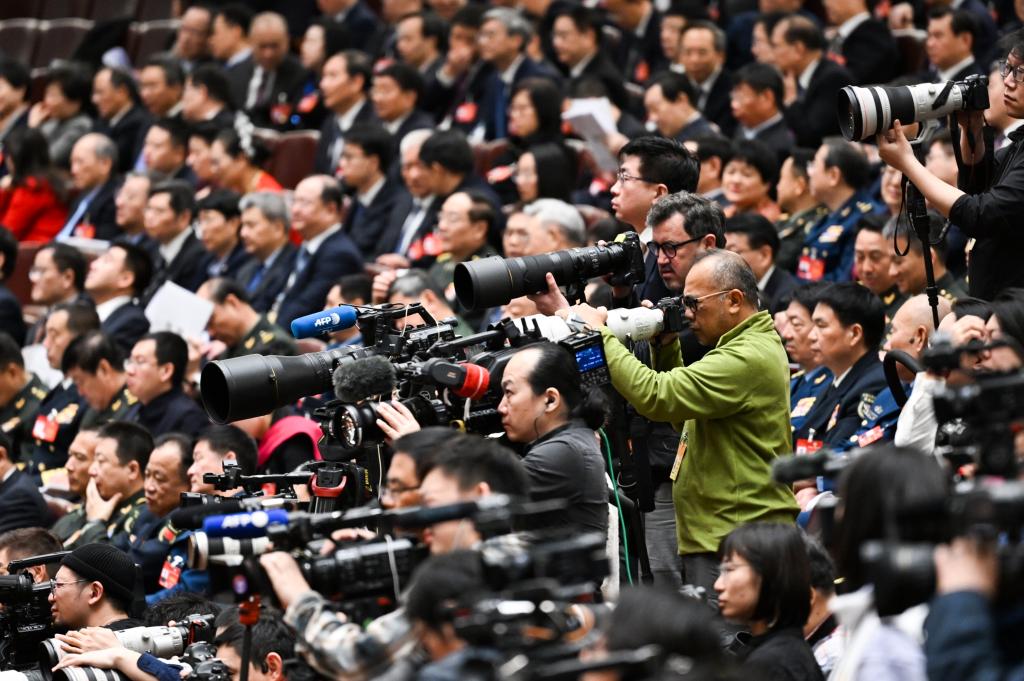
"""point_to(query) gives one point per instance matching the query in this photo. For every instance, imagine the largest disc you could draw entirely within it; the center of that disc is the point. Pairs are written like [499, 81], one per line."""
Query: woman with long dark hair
[32, 201]
[545, 171]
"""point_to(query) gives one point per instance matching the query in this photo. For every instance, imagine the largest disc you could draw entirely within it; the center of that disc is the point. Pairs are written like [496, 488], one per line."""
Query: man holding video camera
[986, 205]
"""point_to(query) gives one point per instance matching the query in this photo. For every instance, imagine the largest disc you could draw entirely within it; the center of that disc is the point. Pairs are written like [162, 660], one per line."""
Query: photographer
[95, 586]
[732, 407]
[544, 406]
[272, 644]
[987, 202]
[469, 468]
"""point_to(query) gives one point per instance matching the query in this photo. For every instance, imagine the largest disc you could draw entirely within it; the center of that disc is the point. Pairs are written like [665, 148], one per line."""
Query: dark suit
[496, 95]
[870, 53]
[288, 81]
[777, 289]
[21, 504]
[269, 284]
[813, 115]
[417, 120]
[235, 261]
[239, 74]
[854, 395]
[101, 212]
[391, 237]
[777, 137]
[126, 325]
[188, 269]
[328, 148]
[336, 257]
[640, 56]
[365, 225]
[601, 69]
[126, 135]
[718, 105]
[171, 412]
[931, 75]
[363, 27]
[11, 319]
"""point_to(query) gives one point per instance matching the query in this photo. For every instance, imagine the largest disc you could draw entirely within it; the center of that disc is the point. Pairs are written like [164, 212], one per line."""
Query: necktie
[356, 211]
[255, 83]
[69, 227]
[410, 227]
[301, 261]
[257, 277]
[501, 112]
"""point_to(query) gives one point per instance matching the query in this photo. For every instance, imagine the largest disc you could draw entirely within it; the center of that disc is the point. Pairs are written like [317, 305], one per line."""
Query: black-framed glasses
[623, 177]
[393, 489]
[693, 303]
[1005, 69]
[670, 247]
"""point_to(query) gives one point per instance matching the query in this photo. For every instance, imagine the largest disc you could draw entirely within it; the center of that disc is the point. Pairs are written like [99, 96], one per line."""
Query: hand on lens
[552, 300]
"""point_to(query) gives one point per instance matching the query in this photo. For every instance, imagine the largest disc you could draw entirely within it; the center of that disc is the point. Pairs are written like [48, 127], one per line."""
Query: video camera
[25, 619]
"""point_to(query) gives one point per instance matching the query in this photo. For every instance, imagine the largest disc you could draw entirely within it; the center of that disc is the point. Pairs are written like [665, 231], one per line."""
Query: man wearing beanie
[95, 586]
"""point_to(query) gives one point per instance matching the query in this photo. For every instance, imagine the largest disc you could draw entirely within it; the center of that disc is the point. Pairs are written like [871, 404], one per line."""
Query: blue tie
[501, 113]
[302, 260]
[69, 227]
[256, 279]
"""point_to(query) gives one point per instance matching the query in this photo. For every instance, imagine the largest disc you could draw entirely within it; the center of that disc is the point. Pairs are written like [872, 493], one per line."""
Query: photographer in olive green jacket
[732, 408]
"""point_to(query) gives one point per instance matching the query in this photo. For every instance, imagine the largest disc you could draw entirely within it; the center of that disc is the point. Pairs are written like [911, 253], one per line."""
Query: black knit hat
[107, 565]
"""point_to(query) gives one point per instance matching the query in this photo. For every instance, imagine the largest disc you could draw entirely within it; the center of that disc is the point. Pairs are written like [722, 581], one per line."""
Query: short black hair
[713, 145]
[224, 201]
[962, 21]
[224, 439]
[177, 129]
[677, 624]
[205, 130]
[759, 230]
[26, 542]
[760, 157]
[73, 81]
[556, 368]
[471, 460]
[432, 26]
[134, 443]
[269, 635]
[178, 607]
[356, 287]
[849, 159]
[236, 14]
[16, 74]
[441, 583]
[9, 251]
[357, 64]
[701, 216]
[217, 86]
[450, 149]
[470, 15]
[823, 570]
[968, 306]
[122, 79]
[139, 263]
[664, 161]
[174, 73]
[407, 78]
[800, 29]
[182, 196]
[374, 140]
[854, 303]
[222, 287]
[759, 78]
[801, 158]
[170, 349]
[423, 447]
[583, 18]
[1008, 309]
[10, 352]
[806, 296]
[330, 192]
[86, 351]
[674, 84]
[82, 315]
[68, 258]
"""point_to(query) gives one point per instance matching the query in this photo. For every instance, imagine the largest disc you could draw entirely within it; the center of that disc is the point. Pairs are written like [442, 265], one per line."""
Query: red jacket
[32, 210]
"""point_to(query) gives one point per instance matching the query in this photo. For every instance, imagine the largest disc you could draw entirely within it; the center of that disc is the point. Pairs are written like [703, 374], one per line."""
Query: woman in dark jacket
[765, 585]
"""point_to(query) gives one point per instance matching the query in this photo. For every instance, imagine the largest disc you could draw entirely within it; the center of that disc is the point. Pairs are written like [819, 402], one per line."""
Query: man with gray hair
[414, 214]
[502, 41]
[544, 226]
[264, 233]
[731, 406]
[93, 214]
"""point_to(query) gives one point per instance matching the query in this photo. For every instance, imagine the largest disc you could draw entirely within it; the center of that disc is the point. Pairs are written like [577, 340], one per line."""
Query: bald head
[918, 312]
[93, 159]
[726, 270]
[720, 293]
[911, 328]
[268, 35]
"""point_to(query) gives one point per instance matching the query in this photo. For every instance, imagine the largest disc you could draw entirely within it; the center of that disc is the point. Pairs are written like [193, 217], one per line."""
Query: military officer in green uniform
[95, 363]
[909, 270]
[236, 324]
[873, 256]
[801, 210]
[80, 456]
[20, 395]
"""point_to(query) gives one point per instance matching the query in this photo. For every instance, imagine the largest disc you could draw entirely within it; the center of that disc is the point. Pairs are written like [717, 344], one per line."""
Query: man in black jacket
[757, 94]
[155, 371]
[702, 54]
[396, 93]
[862, 43]
[951, 38]
[115, 280]
[277, 78]
[577, 42]
[811, 81]
[986, 206]
[93, 215]
[364, 168]
[169, 213]
[229, 44]
[21, 504]
[343, 84]
[121, 117]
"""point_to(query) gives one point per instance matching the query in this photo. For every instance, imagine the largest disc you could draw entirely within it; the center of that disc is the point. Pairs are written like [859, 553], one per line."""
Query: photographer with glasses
[986, 204]
[732, 407]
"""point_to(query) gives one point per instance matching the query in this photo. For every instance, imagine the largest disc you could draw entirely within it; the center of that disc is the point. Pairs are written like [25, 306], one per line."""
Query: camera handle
[917, 211]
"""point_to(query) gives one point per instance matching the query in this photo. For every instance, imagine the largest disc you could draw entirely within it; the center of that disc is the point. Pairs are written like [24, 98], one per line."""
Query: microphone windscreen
[319, 323]
[354, 381]
[242, 525]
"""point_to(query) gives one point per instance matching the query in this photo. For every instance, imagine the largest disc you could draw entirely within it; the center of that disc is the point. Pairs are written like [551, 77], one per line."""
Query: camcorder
[868, 110]
[25, 620]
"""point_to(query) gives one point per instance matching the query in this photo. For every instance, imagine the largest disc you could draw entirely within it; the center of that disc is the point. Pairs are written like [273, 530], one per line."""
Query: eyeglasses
[136, 362]
[694, 303]
[670, 247]
[54, 585]
[624, 177]
[393, 489]
[1005, 69]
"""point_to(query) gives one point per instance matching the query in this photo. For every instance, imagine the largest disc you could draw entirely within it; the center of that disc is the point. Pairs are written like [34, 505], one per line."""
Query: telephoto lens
[85, 674]
[867, 111]
[635, 324]
[201, 547]
[162, 642]
[494, 281]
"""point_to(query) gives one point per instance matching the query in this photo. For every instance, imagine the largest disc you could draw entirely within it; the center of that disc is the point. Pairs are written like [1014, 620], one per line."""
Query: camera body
[25, 620]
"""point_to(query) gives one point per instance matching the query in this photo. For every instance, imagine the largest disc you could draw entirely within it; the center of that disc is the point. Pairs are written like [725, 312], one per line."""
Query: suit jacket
[391, 237]
[777, 137]
[363, 27]
[931, 74]
[495, 96]
[813, 115]
[327, 149]
[365, 225]
[417, 120]
[126, 135]
[640, 56]
[777, 289]
[101, 213]
[836, 413]
[718, 107]
[126, 325]
[188, 269]
[870, 53]
[170, 412]
[11, 319]
[21, 504]
[602, 69]
[271, 284]
[336, 257]
[239, 74]
[289, 80]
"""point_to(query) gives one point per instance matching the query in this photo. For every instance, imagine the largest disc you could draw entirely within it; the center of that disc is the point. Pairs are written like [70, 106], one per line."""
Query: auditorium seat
[912, 51]
[59, 39]
[486, 154]
[20, 9]
[18, 282]
[149, 37]
[104, 10]
[154, 10]
[18, 38]
[292, 156]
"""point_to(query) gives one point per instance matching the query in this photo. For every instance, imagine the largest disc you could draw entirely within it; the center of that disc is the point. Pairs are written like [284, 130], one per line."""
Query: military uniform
[18, 415]
[838, 411]
[55, 427]
[69, 524]
[828, 254]
[150, 543]
[878, 422]
[804, 390]
[950, 288]
[117, 410]
[793, 231]
[117, 531]
[265, 338]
